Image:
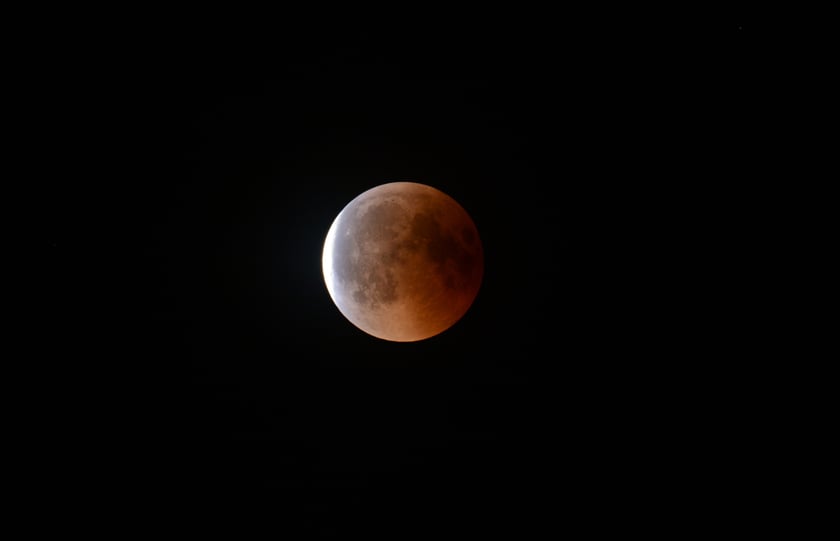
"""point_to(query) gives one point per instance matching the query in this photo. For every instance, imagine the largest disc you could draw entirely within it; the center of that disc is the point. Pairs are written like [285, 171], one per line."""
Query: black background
[589, 388]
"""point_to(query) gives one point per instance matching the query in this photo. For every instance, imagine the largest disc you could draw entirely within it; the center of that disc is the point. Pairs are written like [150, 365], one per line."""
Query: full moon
[403, 261]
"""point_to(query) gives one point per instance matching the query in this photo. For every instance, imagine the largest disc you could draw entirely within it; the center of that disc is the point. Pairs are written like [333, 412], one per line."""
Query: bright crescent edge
[327, 259]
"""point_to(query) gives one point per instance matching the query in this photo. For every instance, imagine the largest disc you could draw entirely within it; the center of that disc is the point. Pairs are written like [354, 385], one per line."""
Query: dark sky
[585, 390]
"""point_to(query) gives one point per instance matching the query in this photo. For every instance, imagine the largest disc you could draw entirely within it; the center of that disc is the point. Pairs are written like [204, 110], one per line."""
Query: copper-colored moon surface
[403, 261]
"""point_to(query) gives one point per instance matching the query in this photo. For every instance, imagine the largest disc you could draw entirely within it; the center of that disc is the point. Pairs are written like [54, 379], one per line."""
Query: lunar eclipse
[403, 261]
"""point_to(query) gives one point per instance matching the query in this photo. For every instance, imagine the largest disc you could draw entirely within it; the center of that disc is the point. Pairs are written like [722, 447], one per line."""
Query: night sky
[586, 390]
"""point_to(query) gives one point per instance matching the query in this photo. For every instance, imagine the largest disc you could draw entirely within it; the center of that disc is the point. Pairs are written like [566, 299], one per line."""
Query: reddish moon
[403, 261]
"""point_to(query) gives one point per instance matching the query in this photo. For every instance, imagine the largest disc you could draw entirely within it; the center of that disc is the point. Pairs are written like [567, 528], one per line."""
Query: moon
[403, 261]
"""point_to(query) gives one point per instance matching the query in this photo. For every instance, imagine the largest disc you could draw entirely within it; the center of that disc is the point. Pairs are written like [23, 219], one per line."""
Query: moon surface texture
[403, 261]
